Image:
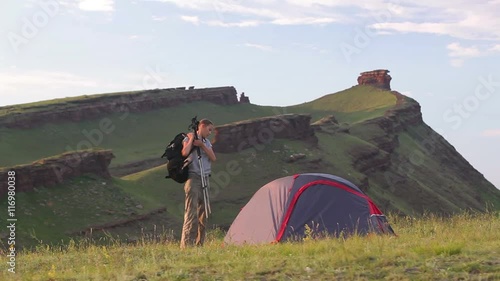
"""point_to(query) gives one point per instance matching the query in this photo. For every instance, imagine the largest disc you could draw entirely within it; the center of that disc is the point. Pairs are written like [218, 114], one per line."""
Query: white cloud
[157, 18]
[459, 53]
[191, 19]
[457, 50]
[491, 133]
[96, 5]
[474, 23]
[21, 87]
[495, 48]
[460, 19]
[14, 80]
[233, 24]
[254, 13]
[133, 37]
[258, 46]
[303, 21]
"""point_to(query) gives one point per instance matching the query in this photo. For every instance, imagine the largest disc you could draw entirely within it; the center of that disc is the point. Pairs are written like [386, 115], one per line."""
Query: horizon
[444, 55]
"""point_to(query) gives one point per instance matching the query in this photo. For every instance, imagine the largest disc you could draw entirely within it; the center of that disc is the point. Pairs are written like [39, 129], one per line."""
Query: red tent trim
[373, 209]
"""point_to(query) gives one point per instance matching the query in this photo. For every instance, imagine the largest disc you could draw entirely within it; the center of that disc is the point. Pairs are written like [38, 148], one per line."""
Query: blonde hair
[206, 122]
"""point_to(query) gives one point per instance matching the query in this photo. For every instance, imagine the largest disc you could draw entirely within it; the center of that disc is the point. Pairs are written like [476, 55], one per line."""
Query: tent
[293, 207]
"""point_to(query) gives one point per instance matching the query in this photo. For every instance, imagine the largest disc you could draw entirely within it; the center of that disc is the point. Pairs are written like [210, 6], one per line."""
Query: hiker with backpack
[195, 210]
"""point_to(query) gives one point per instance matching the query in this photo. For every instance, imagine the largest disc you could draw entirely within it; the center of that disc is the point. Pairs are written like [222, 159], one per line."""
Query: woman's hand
[198, 143]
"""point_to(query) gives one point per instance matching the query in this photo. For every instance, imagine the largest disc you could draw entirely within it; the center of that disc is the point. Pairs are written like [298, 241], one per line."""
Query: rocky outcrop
[378, 78]
[368, 159]
[404, 114]
[238, 136]
[243, 98]
[99, 105]
[330, 125]
[54, 170]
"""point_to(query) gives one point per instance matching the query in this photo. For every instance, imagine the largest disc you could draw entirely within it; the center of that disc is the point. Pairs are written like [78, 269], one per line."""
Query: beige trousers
[193, 230]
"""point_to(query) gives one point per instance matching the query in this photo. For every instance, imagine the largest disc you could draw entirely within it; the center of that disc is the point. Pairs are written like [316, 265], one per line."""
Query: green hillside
[131, 136]
[352, 105]
[427, 248]
[397, 168]
[138, 136]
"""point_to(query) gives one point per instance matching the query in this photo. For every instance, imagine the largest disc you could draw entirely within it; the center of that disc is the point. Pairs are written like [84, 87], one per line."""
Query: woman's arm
[187, 145]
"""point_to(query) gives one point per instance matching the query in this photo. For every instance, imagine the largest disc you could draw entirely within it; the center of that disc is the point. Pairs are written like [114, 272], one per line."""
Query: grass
[465, 246]
[67, 102]
[137, 136]
[131, 136]
[354, 99]
[53, 215]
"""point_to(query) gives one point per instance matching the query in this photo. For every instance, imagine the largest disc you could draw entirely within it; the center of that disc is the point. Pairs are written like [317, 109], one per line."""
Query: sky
[445, 54]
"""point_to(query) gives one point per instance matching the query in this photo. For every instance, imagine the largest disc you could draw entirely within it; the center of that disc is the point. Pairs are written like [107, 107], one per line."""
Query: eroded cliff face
[238, 136]
[384, 135]
[406, 113]
[99, 105]
[378, 78]
[54, 170]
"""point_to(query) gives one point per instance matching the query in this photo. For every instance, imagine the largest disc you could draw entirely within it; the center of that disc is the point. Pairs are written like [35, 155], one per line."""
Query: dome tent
[284, 208]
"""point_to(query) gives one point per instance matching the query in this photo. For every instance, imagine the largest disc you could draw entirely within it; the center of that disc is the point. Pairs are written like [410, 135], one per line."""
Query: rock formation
[405, 114]
[238, 136]
[243, 98]
[54, 170]
[99, 105]
[378, 78]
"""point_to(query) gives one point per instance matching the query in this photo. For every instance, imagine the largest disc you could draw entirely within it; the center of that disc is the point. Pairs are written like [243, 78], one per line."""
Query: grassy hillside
[55, 104]
[131, 136]
[412, 179]
[139, 136]
[352, 105]
[53, 215]
[427, 248]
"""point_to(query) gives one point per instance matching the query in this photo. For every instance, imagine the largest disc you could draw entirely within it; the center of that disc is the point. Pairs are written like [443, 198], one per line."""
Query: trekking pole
[204, 186]
[204, 180]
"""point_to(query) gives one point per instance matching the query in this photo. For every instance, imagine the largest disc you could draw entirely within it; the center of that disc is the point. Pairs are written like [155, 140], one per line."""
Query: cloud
[233, 24]
[254, 13]
[495, 48]
[474, 24]
[303, 21]
[13, 80]
[96, 5]
[491, 133]
[191, 19]
[258, 46]
[157, 18]
[21, 87]
[459, 53]
[456, 50]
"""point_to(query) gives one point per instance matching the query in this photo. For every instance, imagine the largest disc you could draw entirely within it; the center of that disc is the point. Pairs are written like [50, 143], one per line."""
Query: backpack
[177, 167]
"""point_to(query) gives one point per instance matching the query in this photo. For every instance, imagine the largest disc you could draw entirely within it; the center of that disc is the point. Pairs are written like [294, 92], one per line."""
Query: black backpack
[177, 167]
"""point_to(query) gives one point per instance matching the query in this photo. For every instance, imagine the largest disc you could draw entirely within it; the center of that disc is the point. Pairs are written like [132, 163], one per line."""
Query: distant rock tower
[377, 78]
[243, 98]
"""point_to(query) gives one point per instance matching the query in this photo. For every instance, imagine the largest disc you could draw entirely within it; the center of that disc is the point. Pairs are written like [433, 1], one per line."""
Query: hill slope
[376, 139]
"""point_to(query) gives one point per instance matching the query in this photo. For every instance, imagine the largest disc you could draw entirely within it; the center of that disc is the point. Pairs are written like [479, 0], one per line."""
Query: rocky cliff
[54, 170]
[89, 107]
[378, 78]
[237, 136]
[406, 113]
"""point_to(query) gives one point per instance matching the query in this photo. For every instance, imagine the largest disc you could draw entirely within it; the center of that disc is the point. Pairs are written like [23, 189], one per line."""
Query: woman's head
[205, 128]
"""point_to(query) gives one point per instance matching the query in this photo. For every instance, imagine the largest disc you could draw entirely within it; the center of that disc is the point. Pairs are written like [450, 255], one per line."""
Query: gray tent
[323, 204]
